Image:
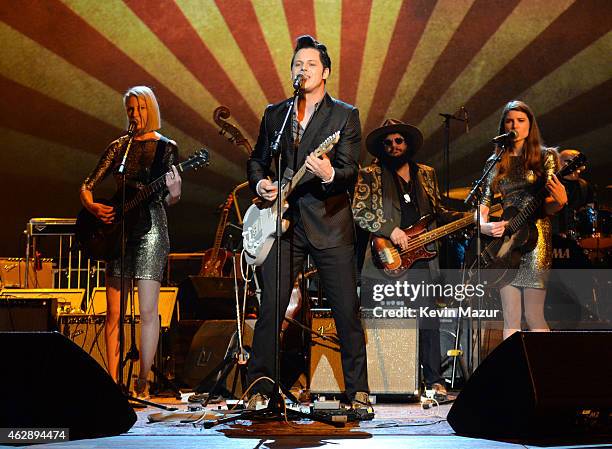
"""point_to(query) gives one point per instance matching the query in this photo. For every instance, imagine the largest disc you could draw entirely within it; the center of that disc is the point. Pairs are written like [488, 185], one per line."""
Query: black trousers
[336, 269]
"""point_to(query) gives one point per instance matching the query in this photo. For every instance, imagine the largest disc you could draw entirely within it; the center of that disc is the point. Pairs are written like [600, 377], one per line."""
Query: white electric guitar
[259, 227]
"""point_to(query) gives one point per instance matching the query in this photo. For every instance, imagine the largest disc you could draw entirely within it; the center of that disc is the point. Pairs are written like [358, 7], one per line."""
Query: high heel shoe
[141, 388]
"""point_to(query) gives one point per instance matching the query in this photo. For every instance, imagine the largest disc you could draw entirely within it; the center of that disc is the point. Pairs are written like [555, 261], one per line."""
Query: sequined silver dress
[148, 243]
[517, 189]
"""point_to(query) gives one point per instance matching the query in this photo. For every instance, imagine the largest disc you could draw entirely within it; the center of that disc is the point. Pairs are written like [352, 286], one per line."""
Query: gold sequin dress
[148, 243]
[517, 189]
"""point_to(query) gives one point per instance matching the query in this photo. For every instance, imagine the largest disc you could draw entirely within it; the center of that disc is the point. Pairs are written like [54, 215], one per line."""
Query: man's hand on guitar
[106, 214]
[493, 228]
[267, 189]
[399, 238]
[320, 167]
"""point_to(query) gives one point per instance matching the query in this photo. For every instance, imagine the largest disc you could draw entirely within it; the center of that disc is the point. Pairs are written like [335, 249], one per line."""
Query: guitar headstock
[228, 202]
[327, 144]
[200, 158]
[574, 164]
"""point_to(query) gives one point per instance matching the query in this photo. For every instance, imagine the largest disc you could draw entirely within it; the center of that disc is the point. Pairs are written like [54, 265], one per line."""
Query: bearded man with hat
[391, 194]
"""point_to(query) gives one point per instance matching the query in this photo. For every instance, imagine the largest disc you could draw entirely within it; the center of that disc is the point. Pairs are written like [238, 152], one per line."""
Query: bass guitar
[259, 227]
[502, 256]
[395, 261]
[101, 241]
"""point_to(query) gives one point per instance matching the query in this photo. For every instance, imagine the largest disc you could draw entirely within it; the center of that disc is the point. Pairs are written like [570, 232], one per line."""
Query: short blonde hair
[153, 115]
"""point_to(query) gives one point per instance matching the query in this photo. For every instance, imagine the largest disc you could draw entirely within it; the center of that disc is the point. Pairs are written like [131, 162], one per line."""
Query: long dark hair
[532, 146]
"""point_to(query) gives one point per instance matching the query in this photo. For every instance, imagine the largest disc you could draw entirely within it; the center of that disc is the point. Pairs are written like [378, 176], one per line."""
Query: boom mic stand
[276, 410]
[456, 352]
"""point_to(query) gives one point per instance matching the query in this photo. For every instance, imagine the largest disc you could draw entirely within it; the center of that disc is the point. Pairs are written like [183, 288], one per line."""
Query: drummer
[579, 195]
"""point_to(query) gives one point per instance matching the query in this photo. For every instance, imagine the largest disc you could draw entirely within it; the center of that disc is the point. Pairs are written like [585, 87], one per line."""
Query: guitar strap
[157, 168]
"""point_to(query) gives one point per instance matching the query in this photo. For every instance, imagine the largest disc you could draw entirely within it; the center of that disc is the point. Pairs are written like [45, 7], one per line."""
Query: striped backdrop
[64, 65]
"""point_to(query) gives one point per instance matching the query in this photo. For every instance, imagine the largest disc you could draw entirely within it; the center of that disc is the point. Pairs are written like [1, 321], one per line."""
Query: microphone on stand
[510, 135]
[298, 81]
[132, 128]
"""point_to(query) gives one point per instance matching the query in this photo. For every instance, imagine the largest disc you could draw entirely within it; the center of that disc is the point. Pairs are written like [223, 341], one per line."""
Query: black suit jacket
[325, 209]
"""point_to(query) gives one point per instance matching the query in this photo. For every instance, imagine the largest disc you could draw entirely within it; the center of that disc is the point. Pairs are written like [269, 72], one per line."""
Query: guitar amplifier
[28, 314]
[13, 273]
[392, 353]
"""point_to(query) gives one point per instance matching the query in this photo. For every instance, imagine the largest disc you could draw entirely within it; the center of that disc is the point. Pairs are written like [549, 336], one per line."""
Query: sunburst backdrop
[65, 63]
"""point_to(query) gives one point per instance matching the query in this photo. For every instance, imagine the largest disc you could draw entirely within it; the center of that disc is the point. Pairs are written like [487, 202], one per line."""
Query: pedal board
[344, 414]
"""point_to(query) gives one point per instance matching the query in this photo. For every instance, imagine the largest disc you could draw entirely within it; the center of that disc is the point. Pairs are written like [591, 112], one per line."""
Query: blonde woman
[151, 155]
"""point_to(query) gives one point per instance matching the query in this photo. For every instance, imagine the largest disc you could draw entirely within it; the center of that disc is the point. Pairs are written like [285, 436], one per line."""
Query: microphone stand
[446, 150]
[121, 171]
[276, 408]
[473, 199]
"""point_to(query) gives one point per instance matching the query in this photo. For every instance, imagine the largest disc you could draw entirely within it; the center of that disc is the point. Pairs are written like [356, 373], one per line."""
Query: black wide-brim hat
[412, 134]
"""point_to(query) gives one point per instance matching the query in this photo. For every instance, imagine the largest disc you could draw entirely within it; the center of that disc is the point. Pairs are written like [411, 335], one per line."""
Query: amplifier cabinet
[392, 351]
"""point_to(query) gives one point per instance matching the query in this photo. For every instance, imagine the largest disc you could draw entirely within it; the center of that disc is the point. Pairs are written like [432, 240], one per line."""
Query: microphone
[510, 135]
[298, 80]
[132, 128]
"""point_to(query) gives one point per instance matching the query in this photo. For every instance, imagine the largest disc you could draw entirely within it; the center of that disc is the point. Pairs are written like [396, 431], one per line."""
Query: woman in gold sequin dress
[151, 155]
[524, 167]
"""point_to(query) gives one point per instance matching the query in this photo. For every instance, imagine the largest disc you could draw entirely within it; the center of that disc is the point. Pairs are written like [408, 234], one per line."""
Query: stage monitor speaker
[167, 301]
[28, 314]
[208, 348]
[392, 351]
[539, 384]
[69, 300]
[49, 382]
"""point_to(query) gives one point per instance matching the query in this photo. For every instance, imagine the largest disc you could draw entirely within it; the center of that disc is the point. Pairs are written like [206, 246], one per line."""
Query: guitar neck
[454, 226]
[151, 188]
[220, 228]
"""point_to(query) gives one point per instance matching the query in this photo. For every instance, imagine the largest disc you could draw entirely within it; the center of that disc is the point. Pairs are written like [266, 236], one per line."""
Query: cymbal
[461, 193]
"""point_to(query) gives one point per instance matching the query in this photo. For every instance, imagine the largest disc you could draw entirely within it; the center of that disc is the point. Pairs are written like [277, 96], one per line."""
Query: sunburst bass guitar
[395, 261]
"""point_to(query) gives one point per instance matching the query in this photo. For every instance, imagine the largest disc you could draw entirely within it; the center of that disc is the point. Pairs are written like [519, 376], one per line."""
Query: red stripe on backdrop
[30, 112]
[300, 19]
[353, 39]
[480, 23]
[411, 22]
[554, 125]
[57, 28]
[248, 35]
[169, 23]
[587, 22]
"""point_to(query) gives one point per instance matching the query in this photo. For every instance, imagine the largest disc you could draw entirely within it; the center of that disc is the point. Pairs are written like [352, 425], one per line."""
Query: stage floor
[395, 425]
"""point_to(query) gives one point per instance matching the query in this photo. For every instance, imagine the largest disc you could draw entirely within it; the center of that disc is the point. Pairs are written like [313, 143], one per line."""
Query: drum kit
[589, 240]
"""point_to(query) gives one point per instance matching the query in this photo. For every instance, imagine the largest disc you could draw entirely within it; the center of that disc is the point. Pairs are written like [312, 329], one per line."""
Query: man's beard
[395, 162]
